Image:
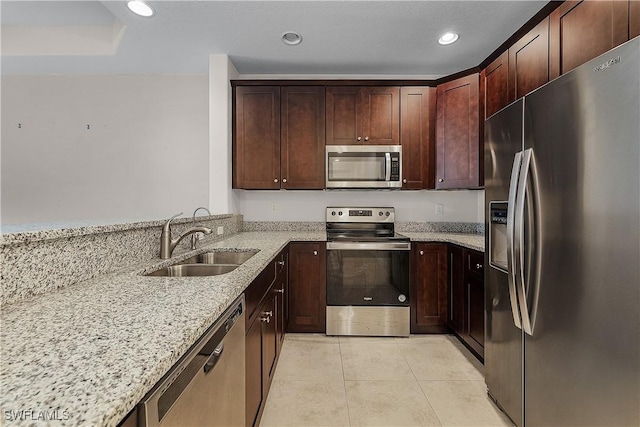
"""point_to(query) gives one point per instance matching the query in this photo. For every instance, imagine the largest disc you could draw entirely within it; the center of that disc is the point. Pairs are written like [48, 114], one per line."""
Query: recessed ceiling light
[291, 38]
[140, 8]
[448, 38]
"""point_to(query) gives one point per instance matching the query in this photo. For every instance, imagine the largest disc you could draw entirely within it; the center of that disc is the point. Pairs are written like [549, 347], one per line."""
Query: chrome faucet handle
[165, 238]
[167, 225]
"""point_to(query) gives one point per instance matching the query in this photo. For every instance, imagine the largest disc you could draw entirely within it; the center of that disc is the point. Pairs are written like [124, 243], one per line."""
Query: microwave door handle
[387, 166]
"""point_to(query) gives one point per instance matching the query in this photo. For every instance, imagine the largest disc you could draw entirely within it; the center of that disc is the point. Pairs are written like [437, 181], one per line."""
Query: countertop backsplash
[37, 262]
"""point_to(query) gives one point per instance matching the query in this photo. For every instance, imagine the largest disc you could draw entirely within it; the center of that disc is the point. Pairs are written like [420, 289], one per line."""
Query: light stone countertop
[471, 241]
[88, 353]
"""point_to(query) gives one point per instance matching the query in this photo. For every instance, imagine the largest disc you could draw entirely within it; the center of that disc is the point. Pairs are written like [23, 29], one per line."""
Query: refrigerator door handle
[528, 316]
[511, 260]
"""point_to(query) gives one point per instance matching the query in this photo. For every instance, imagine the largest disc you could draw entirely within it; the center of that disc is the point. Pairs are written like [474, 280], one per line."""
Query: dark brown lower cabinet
[264, 334]
[428, 298]
[457, 300]
[466, 297]
[307, 287]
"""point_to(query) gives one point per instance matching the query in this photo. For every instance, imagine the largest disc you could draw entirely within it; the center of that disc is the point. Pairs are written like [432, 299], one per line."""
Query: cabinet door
[457, 300]
[380, 112]
[417, 118]
[496, 81]
[458, 155]
[281, 289]
[302, 137]
[529, 61]
[253, 371]
[475, 314]
[429, 297]
[269, 341]
[342, 112]
[582, 30]
[256, 144]
[307, 287]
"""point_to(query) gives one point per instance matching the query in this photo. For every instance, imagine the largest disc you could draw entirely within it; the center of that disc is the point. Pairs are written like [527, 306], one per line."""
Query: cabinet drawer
[475, 263]
[257, 290]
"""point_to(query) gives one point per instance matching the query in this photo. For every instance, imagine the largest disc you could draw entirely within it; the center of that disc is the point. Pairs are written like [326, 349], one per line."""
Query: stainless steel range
[367, 273]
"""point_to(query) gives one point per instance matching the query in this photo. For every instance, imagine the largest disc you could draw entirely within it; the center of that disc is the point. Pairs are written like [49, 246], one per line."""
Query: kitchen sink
[205, 264]
[190, 270]
[225, 257]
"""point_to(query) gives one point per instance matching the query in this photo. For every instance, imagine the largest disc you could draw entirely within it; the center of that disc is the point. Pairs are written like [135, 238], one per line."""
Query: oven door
[368, 274]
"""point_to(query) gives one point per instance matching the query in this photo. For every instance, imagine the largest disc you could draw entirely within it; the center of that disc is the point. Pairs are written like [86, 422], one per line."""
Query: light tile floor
[424, 380]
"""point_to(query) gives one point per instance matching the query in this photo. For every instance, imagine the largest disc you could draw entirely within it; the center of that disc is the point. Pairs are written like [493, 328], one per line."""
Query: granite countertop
[471, 241]
[87, 354]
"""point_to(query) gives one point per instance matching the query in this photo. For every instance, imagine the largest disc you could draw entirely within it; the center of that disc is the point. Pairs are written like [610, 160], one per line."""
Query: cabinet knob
[404, 180]
[359, 138]
[281, 263]
[440, 180]
[268, 313]
[266, 319]
[275, 180]
[366, 138]
[315, 253]
[479, 266]
[280, 291]
[284, 180]
[421, 252]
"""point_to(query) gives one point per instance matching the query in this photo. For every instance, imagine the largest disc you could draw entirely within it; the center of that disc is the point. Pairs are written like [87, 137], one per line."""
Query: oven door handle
[369, 246]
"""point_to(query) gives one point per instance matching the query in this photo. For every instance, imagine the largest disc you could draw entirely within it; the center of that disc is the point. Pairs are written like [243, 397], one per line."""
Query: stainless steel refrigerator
[562, 298]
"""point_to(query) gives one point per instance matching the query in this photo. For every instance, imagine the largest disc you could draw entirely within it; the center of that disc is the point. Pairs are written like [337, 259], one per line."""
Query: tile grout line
[344, 381]
[435, 413]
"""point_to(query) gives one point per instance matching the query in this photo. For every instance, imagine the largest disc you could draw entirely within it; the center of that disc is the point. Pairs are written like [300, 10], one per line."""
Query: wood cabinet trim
[418, 134]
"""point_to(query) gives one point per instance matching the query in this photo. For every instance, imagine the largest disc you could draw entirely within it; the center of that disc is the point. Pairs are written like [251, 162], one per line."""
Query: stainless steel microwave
[363, 166]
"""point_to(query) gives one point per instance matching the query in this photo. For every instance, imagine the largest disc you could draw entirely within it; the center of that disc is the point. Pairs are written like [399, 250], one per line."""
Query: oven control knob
[333, 213]
[388, 213]
[402, 298]
[340, 213]
[380, 213]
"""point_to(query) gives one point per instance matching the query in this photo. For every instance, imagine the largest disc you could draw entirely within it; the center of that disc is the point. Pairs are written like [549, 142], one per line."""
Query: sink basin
[205, 264]
[236, 258]
[191, 270]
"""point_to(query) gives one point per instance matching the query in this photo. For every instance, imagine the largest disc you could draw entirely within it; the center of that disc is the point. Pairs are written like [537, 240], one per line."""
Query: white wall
[145, 155]
[458, 206]
[221, 70]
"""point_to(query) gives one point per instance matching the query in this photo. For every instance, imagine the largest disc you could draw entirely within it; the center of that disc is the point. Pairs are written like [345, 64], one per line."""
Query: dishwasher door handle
[215, 356]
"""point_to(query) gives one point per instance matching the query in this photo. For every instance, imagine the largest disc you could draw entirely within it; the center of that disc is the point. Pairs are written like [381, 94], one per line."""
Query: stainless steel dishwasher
[206, 386]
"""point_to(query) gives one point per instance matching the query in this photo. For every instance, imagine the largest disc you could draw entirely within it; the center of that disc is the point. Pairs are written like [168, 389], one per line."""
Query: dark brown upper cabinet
[302, 137]
[582, 30]
[495, 79]
[417, 137]
[363, 115]
[278, 137]
[529, 61]
[458, 154]
[256, 142]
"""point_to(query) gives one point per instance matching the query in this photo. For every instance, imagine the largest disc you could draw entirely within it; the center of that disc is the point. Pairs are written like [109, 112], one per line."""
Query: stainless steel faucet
[167, 244]
[194, 237]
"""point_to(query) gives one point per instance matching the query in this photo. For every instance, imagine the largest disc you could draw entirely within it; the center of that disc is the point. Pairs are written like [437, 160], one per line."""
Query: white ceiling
[387, 38]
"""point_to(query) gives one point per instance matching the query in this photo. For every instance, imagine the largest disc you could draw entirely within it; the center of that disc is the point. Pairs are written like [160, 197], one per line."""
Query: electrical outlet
[439, 209]
[221, 230]
[274, 207]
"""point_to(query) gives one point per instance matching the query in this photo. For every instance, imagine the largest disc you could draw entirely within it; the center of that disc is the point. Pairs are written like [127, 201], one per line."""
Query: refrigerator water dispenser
[498, 235]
